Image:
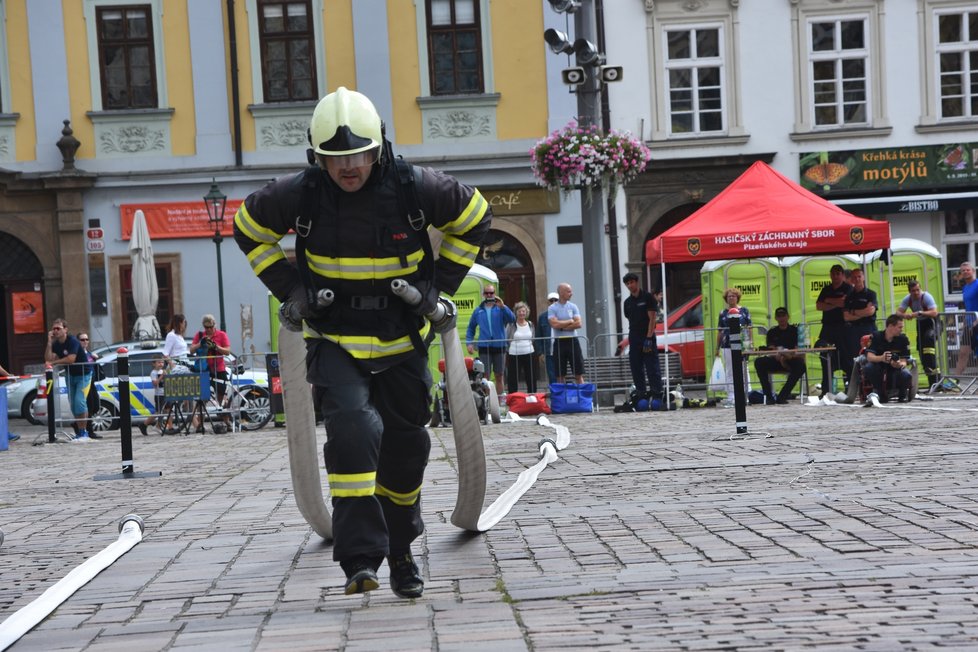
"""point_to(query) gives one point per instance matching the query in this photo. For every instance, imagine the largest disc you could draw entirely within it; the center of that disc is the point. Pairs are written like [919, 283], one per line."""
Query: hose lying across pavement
[468, 513]
[21, 622]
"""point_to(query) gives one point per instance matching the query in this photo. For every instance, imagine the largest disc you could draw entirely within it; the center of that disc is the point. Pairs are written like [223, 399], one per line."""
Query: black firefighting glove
[294, 309]
[429, 298]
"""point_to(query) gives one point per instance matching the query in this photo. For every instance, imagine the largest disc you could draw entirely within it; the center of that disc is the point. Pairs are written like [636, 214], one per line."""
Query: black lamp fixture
[215, 201]
[558, 41]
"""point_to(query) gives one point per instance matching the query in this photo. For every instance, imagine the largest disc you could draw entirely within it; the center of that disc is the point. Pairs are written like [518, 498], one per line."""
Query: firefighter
[360, 222]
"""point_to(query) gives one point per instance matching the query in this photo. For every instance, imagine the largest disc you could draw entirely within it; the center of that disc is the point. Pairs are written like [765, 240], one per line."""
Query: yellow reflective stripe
[928, 350]
[252, 229]
[399, 499]
[262, 256]
[363, 268]
[347, 485]
[469, 217]
[458, 251]
[367, 347]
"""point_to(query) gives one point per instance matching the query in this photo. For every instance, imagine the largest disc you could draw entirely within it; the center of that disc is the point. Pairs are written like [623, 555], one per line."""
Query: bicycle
[244, 407]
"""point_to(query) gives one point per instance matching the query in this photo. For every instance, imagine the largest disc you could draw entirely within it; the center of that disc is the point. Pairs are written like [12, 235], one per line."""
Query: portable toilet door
[911, 260]
[760, 283]
[805, 276]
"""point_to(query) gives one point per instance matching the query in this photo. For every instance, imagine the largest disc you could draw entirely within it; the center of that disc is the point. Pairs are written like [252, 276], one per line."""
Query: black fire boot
[361, 574]
[405, 578]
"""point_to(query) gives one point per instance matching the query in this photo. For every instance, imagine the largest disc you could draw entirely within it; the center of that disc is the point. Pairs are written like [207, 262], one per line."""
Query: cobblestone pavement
[846, 528]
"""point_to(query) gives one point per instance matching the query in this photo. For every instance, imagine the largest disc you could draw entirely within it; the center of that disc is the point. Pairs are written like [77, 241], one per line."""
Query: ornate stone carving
[4, 146]
[133, 139]
[459, 124]
[693, 5]
[288, 133]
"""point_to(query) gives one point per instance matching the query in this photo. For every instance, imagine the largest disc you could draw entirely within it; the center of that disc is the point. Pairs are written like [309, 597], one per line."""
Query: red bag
[527, 405]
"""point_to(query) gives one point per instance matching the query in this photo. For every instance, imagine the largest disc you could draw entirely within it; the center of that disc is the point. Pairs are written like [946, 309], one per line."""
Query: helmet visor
[347, 161]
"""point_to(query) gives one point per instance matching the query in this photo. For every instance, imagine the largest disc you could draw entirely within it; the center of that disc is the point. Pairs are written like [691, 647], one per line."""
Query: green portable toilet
[912, 260]
[761, 286]
[805, 276]
[466, 299]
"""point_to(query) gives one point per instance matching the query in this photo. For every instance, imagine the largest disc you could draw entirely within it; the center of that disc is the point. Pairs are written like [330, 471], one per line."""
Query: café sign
[890, 169]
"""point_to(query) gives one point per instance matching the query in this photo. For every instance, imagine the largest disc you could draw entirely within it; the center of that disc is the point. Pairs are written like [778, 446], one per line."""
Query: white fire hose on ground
[22, 621]
[468, 514]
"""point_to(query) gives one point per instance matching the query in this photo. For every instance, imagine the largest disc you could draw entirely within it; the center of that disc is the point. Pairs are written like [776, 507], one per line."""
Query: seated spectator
[780, 338]
[887, 356]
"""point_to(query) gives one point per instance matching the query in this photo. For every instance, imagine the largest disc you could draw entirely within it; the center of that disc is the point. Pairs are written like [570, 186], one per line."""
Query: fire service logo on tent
[693, 246]
[856, 235]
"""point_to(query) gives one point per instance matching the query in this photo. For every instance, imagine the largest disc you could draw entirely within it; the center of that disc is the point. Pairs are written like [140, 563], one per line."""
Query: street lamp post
[215, 201]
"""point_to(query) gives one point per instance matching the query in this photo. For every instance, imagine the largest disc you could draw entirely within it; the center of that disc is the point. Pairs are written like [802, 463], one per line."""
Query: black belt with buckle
[368, 303]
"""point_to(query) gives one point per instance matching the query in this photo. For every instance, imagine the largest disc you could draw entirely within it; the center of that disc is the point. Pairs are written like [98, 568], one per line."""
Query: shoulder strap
[407, 197]
[303, 225]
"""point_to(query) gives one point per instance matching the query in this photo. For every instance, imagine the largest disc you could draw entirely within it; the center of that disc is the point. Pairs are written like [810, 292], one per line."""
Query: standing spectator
[156, 377]
[641, 309]
[732, 297]
[545, 339]
[923, 308]
[969, 293]
[887, 353]
[565, 319]
[831, 300]
[490, 318]
[214, 344]
[91, 396]
[859, 314]
[65, 350]
[175, 347]
[780, 338]
[519, 363]
[660, 313]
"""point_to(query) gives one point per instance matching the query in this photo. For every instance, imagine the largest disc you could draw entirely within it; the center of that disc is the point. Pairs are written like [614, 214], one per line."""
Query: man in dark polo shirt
[859, 313]
[830, 301]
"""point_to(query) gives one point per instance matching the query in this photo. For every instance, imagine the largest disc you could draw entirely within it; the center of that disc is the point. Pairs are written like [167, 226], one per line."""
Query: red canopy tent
[763, 213]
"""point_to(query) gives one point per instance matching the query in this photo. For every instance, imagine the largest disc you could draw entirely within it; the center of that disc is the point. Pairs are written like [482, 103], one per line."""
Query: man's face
[632, 286]
[894, 329]
[857, 279]
[837, 276]
[352, 171]
[782, 319]
[489, 295]
[916, 292]
[565, 292]
[59, 332]
[967, 272]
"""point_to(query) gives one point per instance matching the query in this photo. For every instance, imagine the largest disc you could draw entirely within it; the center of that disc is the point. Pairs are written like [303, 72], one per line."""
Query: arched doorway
[503, 254]
[682, 279]
[24, 335]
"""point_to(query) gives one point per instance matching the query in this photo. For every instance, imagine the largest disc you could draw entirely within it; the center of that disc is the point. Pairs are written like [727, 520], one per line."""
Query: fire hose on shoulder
[468, 513]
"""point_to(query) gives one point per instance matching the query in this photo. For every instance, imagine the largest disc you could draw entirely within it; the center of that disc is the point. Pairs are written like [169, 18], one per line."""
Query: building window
[694, 66]
[126, 57]
[957, 63]
[454, 47]
[960, 245]
[839, 59]
[287, 47]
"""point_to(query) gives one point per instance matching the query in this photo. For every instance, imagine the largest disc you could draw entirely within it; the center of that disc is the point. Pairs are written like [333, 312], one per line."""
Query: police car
[251, 386]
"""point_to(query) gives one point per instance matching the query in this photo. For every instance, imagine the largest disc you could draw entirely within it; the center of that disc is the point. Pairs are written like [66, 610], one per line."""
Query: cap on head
[345, 122]
[553, 296]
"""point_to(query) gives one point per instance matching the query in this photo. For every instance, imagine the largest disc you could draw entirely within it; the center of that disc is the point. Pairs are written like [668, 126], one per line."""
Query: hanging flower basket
[583, 158]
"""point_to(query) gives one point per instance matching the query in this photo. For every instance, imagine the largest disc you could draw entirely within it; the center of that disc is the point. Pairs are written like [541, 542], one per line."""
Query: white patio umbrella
[145, 291]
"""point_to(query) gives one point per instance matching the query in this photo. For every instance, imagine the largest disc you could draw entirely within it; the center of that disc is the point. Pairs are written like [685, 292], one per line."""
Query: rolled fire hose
[22, 621]
[470, 452]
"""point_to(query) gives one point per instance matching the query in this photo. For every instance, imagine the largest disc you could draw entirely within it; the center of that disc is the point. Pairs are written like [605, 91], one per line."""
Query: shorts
[567, 350]
[78, 387]
[492, 360]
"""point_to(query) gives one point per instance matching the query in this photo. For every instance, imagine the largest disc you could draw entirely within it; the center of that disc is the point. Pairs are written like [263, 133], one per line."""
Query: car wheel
[107, 417]
[256, 407]
[27, 408]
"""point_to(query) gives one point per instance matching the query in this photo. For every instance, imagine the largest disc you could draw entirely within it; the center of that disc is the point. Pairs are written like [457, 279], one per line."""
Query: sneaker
[361, 576]
[142, 428]
[405, 578]
[12, 437]
[950, 385]
[82, 436]
[872, 399]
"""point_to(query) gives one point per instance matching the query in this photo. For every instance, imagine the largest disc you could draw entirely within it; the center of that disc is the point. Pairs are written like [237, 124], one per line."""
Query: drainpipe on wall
[235, 115]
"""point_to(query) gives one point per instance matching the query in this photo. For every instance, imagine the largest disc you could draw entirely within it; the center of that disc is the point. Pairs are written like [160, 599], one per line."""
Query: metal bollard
[49, 380]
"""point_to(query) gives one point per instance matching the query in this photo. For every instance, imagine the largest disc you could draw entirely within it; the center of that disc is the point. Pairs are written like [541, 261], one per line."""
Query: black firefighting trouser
[376, 450]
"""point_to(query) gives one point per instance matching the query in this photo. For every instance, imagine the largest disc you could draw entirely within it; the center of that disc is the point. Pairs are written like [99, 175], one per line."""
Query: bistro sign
[891, 169]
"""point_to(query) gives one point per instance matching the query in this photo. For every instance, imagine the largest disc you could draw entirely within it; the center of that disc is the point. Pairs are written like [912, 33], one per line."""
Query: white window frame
[877, 123]
[930, 96]
[91, 30]
[709, 14]
[319, 52]
[959, 48]
[488, 84]
[693, 65]
[836, 56]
